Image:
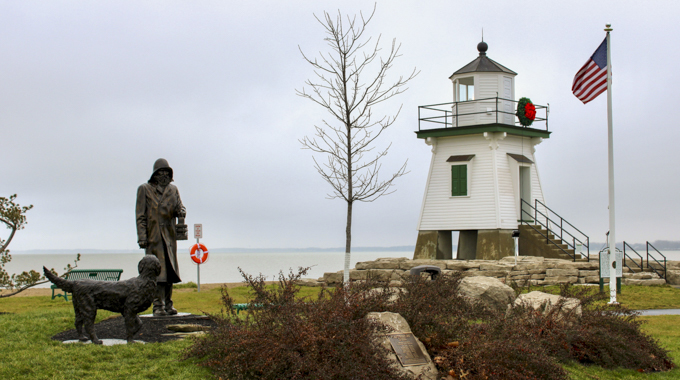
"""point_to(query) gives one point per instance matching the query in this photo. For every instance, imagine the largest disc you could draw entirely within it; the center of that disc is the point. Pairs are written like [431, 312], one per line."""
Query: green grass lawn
[27, 352]
[633, 296]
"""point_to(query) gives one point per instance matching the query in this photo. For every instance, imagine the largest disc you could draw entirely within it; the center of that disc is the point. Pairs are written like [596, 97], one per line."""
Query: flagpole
[612, 208]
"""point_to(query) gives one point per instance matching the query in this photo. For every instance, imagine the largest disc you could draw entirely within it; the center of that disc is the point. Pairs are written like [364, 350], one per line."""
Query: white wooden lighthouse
[482, 167]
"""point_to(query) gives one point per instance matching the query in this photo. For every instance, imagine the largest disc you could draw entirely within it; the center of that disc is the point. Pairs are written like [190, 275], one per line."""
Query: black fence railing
[657, 261]
[490, 110]
[639, 264]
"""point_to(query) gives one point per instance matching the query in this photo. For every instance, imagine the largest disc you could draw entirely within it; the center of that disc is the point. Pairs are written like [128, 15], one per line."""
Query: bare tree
[350, 80]
[13, 216]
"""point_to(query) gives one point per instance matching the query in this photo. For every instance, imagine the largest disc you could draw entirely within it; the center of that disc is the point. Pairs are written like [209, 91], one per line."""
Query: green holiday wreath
[526, 111]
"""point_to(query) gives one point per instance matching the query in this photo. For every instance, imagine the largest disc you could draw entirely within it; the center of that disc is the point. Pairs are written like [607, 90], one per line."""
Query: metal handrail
[625, 254]
[562, 232]
[562, 221]
[548, 231]
[657, 261]
[587, 244]
[454, 115]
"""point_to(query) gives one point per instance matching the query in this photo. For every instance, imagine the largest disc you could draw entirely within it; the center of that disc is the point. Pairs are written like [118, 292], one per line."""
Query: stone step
[551, 237]
[641, 276]
[651, 282]
[633, 268]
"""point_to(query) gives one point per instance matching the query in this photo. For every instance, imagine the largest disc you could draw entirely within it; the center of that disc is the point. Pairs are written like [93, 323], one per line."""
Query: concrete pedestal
[472, 244]
[434, 245]
[467, 245]
[494, 244]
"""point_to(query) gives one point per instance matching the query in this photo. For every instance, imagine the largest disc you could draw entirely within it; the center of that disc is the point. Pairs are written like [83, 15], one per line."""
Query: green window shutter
[458, 180]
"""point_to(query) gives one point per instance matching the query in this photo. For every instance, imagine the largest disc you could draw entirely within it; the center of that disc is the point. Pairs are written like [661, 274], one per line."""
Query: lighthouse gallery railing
[449, 114]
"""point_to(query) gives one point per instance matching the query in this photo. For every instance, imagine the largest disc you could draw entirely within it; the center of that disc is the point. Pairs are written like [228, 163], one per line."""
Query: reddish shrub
[434, 309]
[327, 337]
[288, 338]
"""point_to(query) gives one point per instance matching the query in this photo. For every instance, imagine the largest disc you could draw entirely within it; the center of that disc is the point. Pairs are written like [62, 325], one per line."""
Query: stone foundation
[529, 270]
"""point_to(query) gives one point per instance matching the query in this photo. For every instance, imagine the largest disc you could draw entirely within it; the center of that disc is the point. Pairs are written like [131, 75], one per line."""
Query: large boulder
[487, 290]
[393, 293]
[673, 277]
[399, 325]
[539, 300]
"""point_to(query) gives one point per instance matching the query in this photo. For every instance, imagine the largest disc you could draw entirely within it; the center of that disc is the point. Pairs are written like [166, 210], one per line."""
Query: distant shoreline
[663, 245]
[401, 248]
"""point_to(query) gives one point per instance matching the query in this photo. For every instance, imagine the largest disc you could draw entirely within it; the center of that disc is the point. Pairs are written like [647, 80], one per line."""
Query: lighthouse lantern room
[483, 178]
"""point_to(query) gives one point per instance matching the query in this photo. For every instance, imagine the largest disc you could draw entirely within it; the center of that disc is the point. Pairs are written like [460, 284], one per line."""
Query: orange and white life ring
[199, 253]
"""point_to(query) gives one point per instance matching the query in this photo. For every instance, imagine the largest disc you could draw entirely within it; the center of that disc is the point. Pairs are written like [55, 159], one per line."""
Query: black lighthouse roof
[483, 63]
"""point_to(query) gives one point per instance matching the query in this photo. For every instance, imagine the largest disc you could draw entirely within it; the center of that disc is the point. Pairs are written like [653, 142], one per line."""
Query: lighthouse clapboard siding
[492, 201]
[441, 211]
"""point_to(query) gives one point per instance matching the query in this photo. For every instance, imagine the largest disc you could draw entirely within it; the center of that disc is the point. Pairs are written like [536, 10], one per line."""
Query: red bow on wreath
[530, 111]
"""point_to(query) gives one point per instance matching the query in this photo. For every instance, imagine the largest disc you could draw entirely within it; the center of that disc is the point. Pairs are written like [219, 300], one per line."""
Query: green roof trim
[477, 129]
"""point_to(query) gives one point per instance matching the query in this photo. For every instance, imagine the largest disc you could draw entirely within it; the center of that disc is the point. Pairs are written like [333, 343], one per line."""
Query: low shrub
[327, 336]
[285, 337]
[608, 336]
[467, 340]
[524, 343]
[434, 309]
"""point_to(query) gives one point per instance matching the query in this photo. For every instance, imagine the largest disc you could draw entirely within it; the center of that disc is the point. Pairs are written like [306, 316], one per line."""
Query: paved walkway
[660, 312]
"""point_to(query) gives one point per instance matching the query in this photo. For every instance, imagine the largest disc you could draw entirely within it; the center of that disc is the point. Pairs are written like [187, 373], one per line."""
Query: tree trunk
[348, 243]
[9, 239]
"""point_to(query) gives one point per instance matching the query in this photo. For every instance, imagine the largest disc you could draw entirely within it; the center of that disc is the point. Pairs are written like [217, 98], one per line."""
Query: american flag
[591, 80]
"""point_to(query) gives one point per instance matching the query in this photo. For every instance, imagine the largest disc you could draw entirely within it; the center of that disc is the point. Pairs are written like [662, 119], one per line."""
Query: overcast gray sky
[92, 93]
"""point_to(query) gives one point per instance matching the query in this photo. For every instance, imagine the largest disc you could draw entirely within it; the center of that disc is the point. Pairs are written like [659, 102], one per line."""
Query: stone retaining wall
[528, 270]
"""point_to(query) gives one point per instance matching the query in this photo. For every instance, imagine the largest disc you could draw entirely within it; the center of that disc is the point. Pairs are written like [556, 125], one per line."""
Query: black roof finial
[482, 47]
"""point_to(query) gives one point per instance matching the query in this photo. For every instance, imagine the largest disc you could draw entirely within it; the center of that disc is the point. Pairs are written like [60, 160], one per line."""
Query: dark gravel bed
[151, 331]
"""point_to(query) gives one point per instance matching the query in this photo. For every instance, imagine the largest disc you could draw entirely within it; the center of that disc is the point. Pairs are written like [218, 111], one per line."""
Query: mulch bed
[152, 329]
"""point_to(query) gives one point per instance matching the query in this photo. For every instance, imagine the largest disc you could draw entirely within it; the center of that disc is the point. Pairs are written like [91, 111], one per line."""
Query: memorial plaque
[407, 349]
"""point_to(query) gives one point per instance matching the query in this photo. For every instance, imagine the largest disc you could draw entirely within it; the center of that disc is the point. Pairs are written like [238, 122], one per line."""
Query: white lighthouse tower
[483, 169]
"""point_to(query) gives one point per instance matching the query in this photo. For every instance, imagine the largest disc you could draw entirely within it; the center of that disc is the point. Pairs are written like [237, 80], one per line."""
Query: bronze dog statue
[128, 297]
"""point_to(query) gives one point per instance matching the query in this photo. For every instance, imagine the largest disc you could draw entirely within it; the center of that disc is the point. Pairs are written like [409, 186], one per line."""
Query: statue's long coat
[156, 213]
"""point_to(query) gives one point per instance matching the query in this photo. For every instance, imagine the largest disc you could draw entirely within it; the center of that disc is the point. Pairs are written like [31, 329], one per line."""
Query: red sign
[199, 253]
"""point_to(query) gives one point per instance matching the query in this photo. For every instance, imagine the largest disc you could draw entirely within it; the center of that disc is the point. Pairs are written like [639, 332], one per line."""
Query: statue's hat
[161, 163]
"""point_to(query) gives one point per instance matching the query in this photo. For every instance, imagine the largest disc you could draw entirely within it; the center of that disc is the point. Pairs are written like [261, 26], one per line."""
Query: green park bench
[243, 306]
[92, 274]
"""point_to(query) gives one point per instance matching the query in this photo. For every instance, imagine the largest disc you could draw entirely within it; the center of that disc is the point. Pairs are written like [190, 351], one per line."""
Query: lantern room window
[466, 89]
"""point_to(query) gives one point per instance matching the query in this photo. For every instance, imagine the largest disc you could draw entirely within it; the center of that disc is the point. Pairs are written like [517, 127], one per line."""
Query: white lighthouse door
[508, 117]
[525, 192]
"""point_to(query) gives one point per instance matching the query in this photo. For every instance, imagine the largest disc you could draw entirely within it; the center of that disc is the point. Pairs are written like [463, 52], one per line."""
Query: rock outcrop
[488, 291]
[527, 270]
[399, 325]
[546, 302]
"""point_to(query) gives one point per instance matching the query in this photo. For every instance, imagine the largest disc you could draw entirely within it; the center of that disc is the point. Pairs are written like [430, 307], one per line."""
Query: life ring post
[199, 255]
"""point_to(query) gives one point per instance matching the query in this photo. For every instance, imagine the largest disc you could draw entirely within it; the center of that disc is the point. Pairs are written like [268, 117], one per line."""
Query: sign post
[198, 234]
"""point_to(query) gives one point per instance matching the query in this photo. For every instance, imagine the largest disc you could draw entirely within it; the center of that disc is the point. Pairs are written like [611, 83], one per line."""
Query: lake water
[220, 267]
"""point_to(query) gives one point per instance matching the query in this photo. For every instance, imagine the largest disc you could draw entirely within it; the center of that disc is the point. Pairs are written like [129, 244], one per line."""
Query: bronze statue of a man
[158, 204]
